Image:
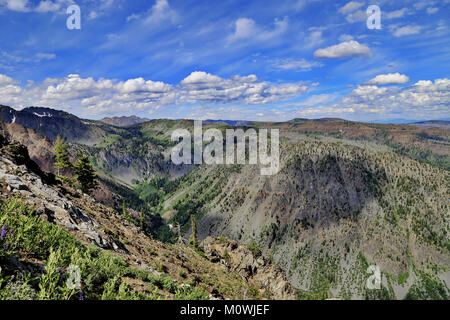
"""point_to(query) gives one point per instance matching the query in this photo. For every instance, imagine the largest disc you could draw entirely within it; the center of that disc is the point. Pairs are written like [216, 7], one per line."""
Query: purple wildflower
[3, 232]
[10, 233]
[5, 246]
[81, 295]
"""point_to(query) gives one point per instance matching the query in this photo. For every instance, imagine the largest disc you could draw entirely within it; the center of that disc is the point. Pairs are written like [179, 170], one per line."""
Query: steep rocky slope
[334, 209]
[129, 265]
[39, 146]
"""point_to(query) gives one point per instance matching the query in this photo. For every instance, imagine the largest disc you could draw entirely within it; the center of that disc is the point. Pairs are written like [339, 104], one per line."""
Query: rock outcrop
[239, 259]
[51, 205]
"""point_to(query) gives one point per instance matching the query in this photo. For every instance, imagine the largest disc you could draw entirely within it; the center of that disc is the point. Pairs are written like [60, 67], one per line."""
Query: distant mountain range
[230, 122]
[445, 124]
[41, 114]
[51, 123]
[124, 121]
[405, 121]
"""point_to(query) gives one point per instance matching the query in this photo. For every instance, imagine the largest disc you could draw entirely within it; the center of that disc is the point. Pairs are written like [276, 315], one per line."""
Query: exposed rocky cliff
[239, 259]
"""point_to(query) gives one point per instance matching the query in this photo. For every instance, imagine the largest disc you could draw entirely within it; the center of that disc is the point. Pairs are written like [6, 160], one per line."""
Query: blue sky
[250, 60]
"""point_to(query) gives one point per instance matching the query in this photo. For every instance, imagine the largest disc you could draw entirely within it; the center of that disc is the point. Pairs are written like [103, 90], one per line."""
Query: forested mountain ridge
[349, 195]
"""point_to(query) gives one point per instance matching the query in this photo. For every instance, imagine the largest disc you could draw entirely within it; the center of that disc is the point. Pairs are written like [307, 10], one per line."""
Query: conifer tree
[142, 220]
[193, 240]
[124, 209]
[3, 139]
[180, 237]
[62, 156]
[85, 173]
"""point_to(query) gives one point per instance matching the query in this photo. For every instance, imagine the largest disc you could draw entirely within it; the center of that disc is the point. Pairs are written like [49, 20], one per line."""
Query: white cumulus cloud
[390, 78]
[247, 29]
[423, 100]
[161, 11]
[397, 13]
[343, 50]
[48, 6]
[88, 96]
[350, 7]
[5, 80]
[406, 31]
[357, 16]
[352, 12]
[201, 87]
[16, 5]
[244, 28]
